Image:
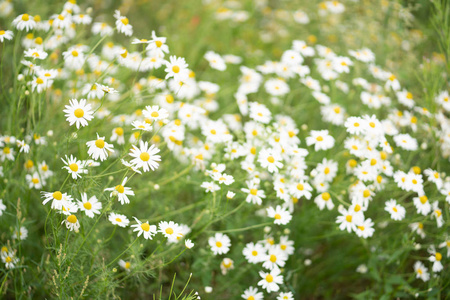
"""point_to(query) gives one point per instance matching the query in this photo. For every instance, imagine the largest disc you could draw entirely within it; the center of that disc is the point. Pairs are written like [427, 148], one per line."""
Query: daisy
[176, 68]
[301, 189]
[421, 271]
[24, 22]
[396, 211]
[210, 187]
[9, 260]
[118, 135]
[145, 157]
[122, 24]
[106, 89]
[35, 53]
[58, 199]
[71, 223]
[34, 181]
[188, 243]
[220, 243]
[226, 265]
[286, 245]
[6, 35]
[281, 215]
[270, 159]
[144, 228]
[121, 191]
[22, 233]
[347, 220]
[405, 141]
[252, 294]
[155, 113]
[271, 280]
[126, 265]
[73, 58]
[422, 205]
[158, 45]
[320, 139]
[286, 296]
[323, 200]
[78, 113]
[215, 61]
[99, 148]
[275, 258]
[355, 125]
[7, 153]
[90, 207]
[170, 230]
[435, 258]
[118, 219]
[2, 207]
[74, 166]
[255, 195]
[365, 228]
[253, 253]
[141, 125]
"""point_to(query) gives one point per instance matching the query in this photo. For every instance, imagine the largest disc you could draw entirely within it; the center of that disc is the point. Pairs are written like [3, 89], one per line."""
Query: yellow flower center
[326, 196]
[57, 195]
[144, 156]
[300, 187]
[61, 17]
[2, 32]
[120, 188]
[348, 218]
[8, 259]
[327, 170]
[87, 205]
[373, 162]
[273, 258]
[29, 164]
[254, 252]
[145, 226]
[73, 167]
[357, 207]
[319, 138]
[366, 193]
[118, 220]
[372, 124]
[6, 150]
[79, 113]
[35, 180]
[74, 53]
[25, 17]
[127, 265]
[119, 131]
[155, 114]
[169, 230]
[253, 150]
[72, 219]
[125, 21]
[277, 216]
[253, 192]
[39, 80]
[438, 256]
[269, 278]
[270, 159]
[158, 44]
[218, 244]
[100, 143]
[423, 199]
[176, 69]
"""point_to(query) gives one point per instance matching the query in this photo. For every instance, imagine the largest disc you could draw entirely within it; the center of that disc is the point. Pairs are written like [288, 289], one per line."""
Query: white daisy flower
[145, 157]
[78, 113]
[90, 207]
[118, 219]
[148, 231]
[99, 148]
[74, 166]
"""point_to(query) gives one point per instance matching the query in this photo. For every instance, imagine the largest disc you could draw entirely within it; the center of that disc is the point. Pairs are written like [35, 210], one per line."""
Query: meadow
[210, 149]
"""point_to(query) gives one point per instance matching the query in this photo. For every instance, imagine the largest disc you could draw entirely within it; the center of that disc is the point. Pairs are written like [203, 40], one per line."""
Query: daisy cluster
[258, 157]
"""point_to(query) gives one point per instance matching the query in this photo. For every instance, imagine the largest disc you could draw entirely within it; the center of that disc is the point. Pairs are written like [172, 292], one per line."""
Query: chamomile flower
[365, 228]
[74, 166]
[57, 198]
[275, 258]
[281, 215]
[421, 271]
[176, 68]
[252, 294]
[188, 243]
[118, 135]
[78, 113]
[348, 220]
[324, 200]
[255, 195]
[155, 113]
[148, 231]
[91, 206]
[6, 35]
[34, 181]
[9, 259]
[24, 22]
[71, 223]
[123, 24]
[270, 159]
[126, 265]
[121, 191]
[320, 139]
[145, 157]
[21, 234]
[158, 45]
[396, 211]
[141, 125]
[170, 230]
[253, 253]
[220, 243]
[435, 258]
[271, 280]
[35, 53]
[119, 220]
[422, 204]
[99, 148]
[226, 265]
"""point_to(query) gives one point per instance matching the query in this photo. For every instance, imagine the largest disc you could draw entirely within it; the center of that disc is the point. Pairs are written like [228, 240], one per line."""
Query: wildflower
[252, 294]
[74, 166]
[396, 211]
[24, 22]
[6, 35]
[90, 207]
[176, 68]
[188, 243]
[126, 265]
[121, 191]
[285, 296]
[255, 195]
[271, 280]
[118, 135]
[141, 125]
[220, 243]
[270, 159]
[118, 219]
[123, 24]
[22, 233]
[435, 258]
[253, 253]
[215, 61]
[147, 230]
[281, 215]
[170, 230]
[155, 113]
[275, 258]
[347, 220]
[58, 199]
[230, 195]
[323, 200]
[78, 113]
[73, 58]
[320, 139]
[7, 153]
[9, 259]
[422, 205]
[71, 223]
[145, 157]
[34, 181]
[421, 271]
[365, 228]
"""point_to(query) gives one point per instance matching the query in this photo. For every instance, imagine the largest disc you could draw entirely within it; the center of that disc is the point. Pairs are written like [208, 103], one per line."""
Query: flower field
[214, 149]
